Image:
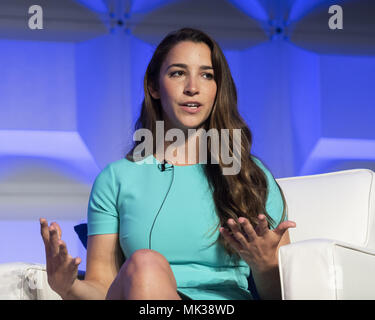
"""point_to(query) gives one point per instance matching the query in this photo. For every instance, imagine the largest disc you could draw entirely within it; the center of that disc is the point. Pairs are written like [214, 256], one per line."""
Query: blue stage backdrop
[71, 91]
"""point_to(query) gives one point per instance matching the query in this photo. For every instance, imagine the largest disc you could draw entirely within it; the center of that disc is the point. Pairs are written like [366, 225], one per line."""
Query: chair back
[338, 206]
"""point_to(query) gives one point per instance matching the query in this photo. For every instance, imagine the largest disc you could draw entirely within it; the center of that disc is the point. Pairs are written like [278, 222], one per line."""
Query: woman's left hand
[257, 247]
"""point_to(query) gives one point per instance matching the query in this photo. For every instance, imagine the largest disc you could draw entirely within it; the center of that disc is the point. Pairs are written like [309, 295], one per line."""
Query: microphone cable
[162, 167]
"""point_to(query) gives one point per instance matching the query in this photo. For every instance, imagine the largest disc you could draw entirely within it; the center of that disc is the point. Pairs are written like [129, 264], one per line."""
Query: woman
[151, 227]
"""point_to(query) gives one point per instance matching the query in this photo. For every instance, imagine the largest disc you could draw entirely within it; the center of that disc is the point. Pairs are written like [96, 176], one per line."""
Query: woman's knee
[146, 263]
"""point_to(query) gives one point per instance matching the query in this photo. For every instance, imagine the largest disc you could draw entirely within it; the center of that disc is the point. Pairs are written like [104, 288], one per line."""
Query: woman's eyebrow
[182, 65]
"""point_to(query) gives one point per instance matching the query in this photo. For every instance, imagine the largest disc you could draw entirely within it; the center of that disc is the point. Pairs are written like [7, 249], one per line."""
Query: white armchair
[332, 250]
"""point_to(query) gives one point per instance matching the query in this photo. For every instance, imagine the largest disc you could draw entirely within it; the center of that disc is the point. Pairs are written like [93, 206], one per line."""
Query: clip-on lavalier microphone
[164, 166]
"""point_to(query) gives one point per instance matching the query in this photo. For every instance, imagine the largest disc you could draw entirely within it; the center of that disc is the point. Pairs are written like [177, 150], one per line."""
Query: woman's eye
[180, 72]
[175, 72]
[210, 75]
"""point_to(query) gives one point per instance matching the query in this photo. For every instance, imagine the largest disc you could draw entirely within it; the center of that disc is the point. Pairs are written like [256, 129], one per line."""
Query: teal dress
[172, 212]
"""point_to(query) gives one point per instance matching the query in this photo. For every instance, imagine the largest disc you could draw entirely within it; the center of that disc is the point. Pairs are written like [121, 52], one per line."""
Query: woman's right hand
[62, 268]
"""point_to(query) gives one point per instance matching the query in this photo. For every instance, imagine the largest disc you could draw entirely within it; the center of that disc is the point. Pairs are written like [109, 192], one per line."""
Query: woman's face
[186, 75]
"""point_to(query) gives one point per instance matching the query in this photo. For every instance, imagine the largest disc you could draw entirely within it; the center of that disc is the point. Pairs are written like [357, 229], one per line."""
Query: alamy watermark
[336, 21]
[219, 143]
[36, 20]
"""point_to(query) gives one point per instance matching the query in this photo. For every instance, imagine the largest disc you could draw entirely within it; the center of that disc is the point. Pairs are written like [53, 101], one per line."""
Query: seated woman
[168, 225]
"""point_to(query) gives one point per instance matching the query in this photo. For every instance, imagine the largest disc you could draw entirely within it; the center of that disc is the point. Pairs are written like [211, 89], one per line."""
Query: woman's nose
[191, 86]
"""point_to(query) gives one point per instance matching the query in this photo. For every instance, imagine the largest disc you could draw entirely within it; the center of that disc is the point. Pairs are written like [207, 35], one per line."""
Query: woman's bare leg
[146, 275]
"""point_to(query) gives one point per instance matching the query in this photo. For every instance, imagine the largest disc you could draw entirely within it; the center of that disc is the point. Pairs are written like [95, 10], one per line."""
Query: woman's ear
[154, 93]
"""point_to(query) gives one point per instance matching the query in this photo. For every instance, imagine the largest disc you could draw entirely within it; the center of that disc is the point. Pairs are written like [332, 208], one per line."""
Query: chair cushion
[81, 230]
[25, 281]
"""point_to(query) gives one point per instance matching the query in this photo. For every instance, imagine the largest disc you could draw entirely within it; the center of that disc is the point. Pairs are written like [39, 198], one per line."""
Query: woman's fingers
[75, 262]
[44, 230]
[248, 229]
[63, 251]
[262, 226]
[59, 232]
[283, 226]
[229, 237]
[237, 233]
[54, 241]
[66, 259]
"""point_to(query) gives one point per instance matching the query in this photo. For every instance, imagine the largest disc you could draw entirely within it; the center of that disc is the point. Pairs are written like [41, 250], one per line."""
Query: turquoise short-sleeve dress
[172, 212]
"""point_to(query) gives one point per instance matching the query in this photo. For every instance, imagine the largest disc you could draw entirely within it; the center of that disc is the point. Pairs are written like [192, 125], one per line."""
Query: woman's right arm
[104, 260]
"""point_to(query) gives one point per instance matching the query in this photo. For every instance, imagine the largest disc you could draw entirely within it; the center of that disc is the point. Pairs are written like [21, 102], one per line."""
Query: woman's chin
[190, 123]
[186, 123]
[195, 125]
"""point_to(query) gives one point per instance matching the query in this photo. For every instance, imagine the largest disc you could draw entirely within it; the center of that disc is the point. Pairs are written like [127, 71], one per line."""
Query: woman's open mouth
[191, 107]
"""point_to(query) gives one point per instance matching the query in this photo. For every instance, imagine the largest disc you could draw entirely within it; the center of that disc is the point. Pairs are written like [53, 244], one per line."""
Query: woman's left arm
[259, 248]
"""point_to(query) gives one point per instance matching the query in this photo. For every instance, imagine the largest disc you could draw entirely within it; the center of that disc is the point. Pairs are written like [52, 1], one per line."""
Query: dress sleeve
[102, 214]
[274, 204]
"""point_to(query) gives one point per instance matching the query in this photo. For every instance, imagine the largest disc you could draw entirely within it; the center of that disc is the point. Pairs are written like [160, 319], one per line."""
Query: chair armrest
[323, 269]
[25, 281]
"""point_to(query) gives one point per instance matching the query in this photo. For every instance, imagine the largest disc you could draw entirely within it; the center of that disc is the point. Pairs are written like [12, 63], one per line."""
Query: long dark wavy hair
[240, 195]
